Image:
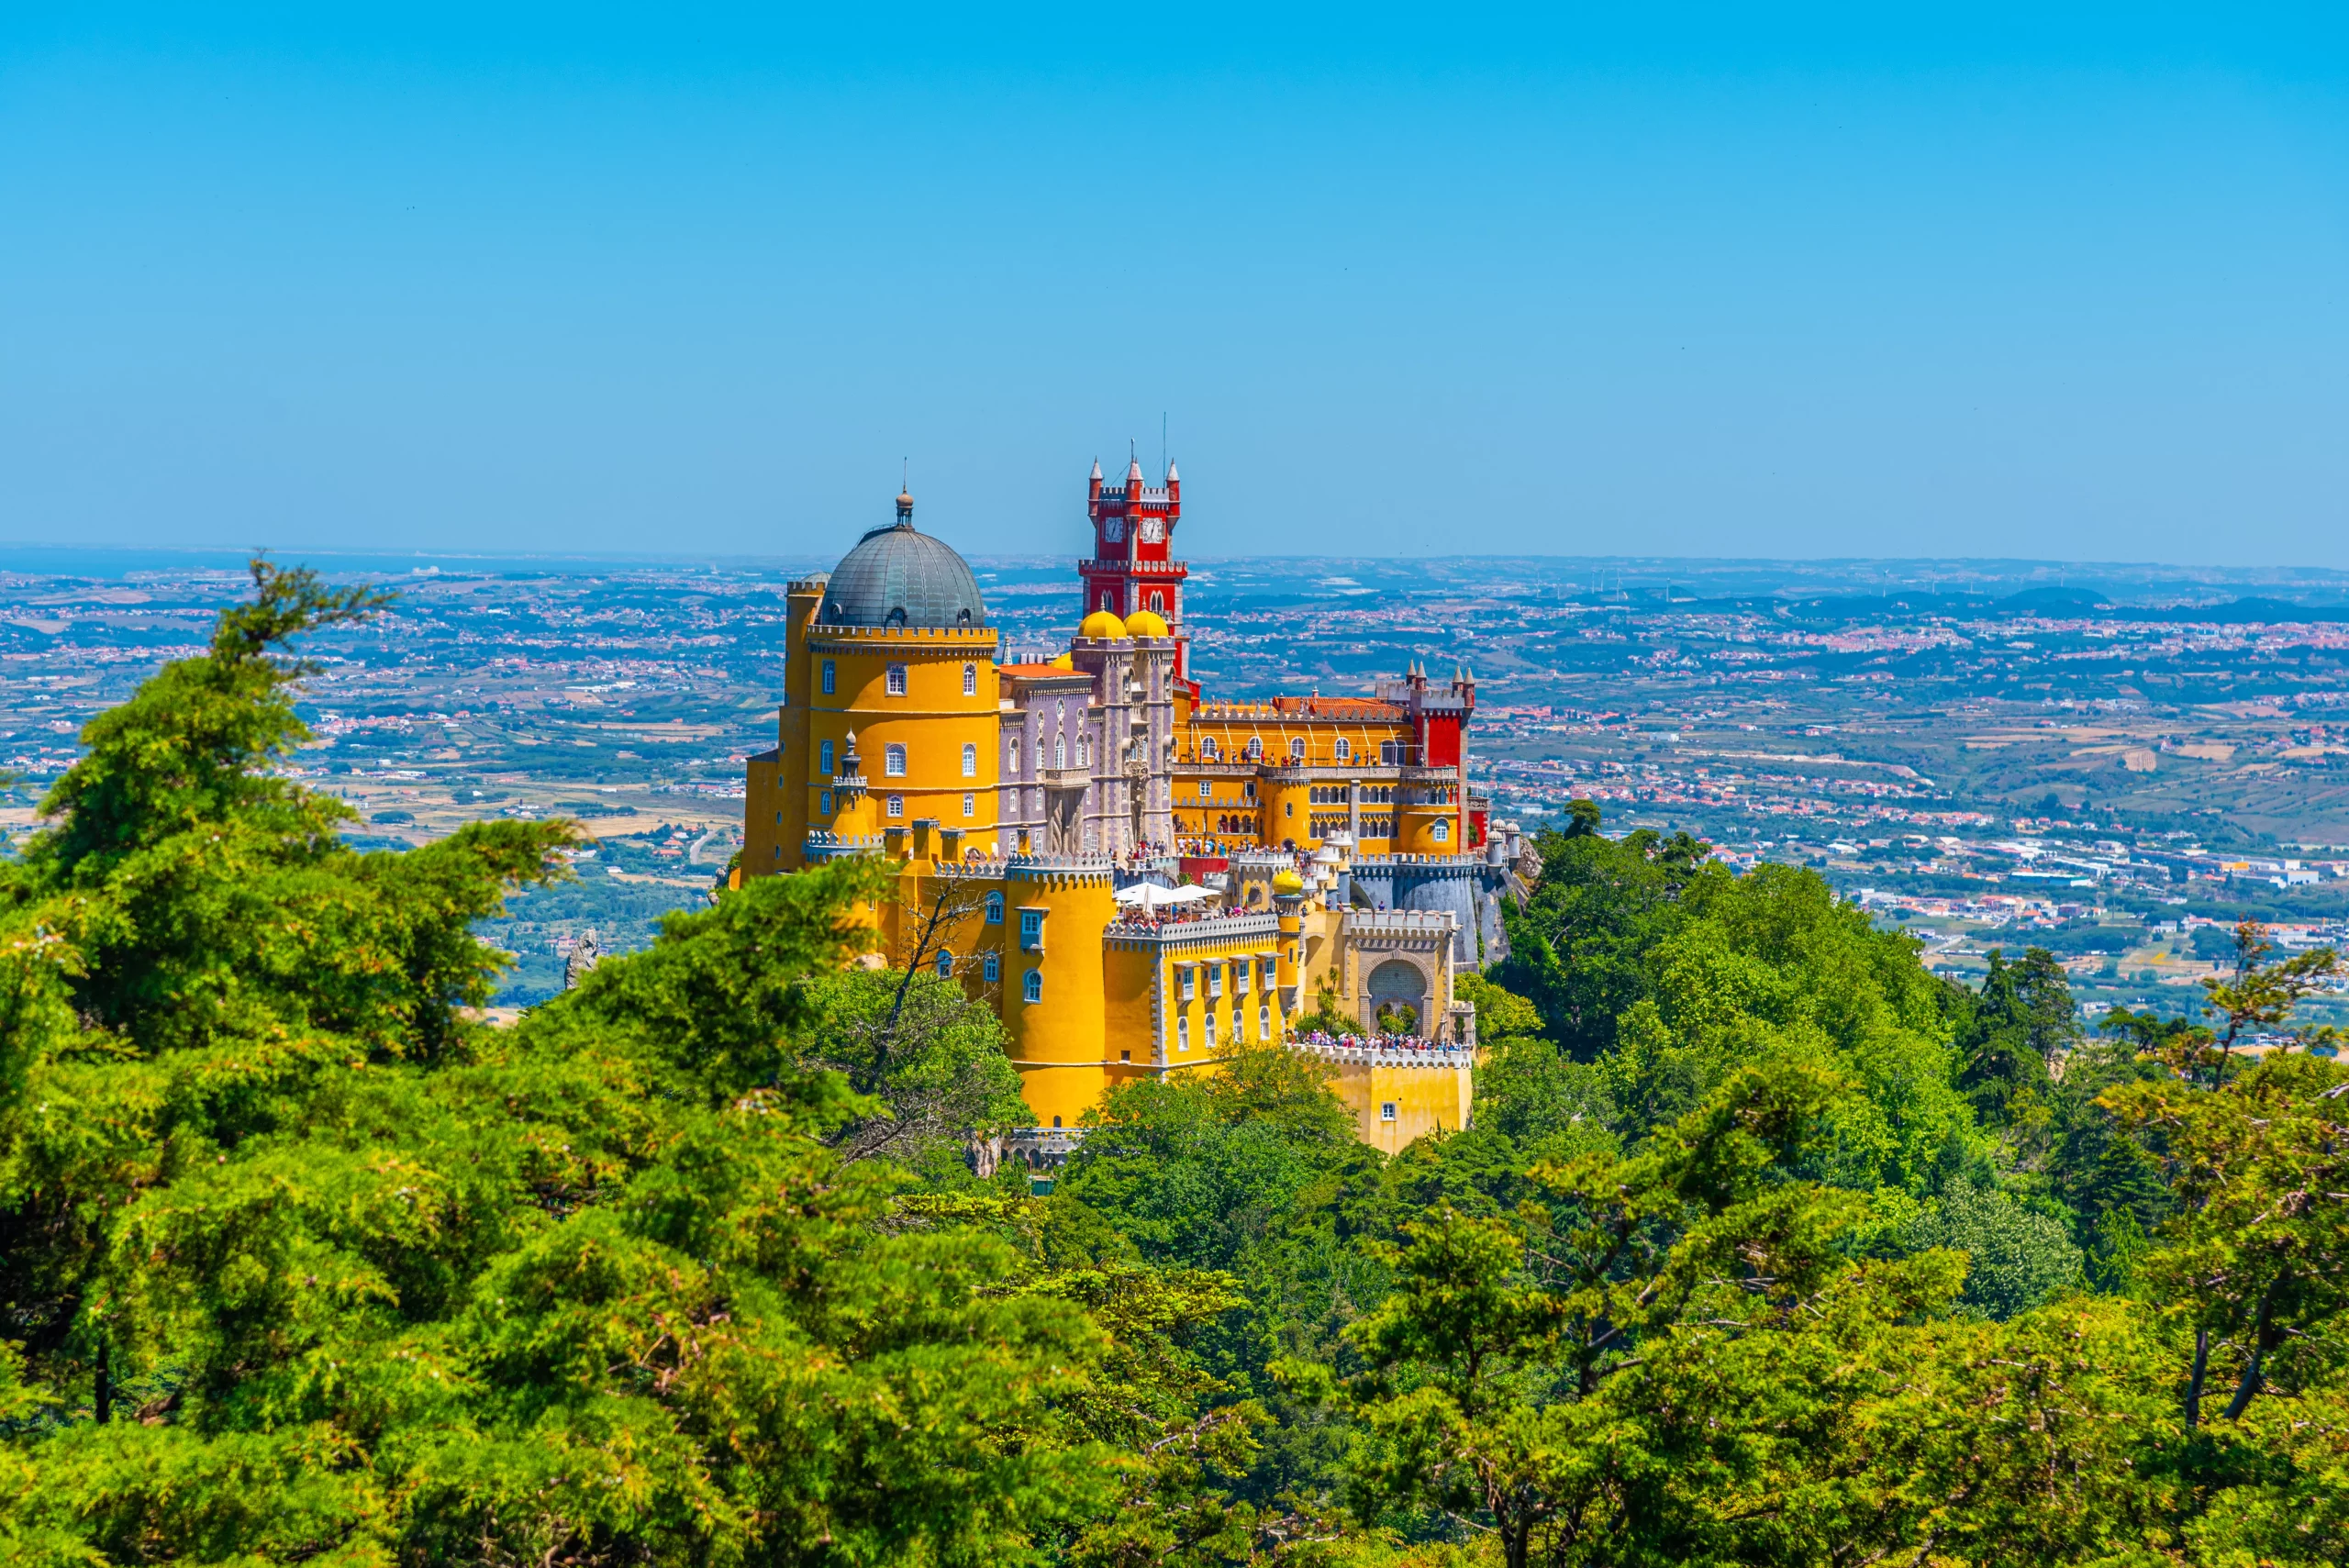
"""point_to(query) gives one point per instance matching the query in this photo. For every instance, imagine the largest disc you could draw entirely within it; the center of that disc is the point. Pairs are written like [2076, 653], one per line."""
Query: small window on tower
[824, 756]
[969, 680]
[823, 803]
[896, 679]
[970, 761]
[1296, 750]
[1386, 1110]
[1032, 988]
[1158, 603]
[945, 964]
[1344, 749]
[992, 968]
[893, 762]
[994, 908]
[1443, 834]
[970, 806]
[831, 677]
[896, 806]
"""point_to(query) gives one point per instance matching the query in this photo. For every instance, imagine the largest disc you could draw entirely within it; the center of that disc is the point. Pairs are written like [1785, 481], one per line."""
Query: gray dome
[896, 576]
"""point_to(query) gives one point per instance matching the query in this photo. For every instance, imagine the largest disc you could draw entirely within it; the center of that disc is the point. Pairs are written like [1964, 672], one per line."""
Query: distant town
[2113, 764]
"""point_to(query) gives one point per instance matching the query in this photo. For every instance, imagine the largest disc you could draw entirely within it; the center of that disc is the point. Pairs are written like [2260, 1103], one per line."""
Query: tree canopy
[1766, 1246]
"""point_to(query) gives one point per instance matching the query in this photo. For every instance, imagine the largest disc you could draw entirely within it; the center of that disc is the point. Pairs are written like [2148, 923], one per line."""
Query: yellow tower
[890, 714]
[1054, 1009]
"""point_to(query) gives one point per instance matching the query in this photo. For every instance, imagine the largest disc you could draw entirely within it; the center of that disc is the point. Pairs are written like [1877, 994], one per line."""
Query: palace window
[893, 761]
[823, 803]
[1040, 755]
[1255, 747]
[994, 908]
[1084, 753]
[945, 963]
[1386, 1110]
[1183, 983]
[1264, 1023]
[824, 757]
[1343, 748]
[831, 677]
[992, 967]
[1158, 603]
[1032, 988]
[896, 806]
[970, 761]
[969, 680]
[1390, 753]
[1215, 982]
[1183, 1033]
[1031, 930]
[1443, 834]
[1208, 1036]
[1296, 750]
[1060, 751]
[1209, 749]
[970, 806]
[1265, 971]
[1240, 969]
[896, 679]
[1207, 789]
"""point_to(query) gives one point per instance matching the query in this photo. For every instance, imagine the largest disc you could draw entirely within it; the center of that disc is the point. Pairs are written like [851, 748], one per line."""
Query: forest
[1766, 1246]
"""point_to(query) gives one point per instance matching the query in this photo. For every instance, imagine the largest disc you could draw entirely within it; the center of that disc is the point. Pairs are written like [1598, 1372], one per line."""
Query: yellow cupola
[1146, 623]
[1102, 627]
[1064, 662]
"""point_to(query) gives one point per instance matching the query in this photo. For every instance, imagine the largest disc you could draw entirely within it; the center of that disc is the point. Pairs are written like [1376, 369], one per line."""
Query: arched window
[1207, 1035]
[1060, 751]
[945, 963]
[971, 807]
[1105, 600]
[1296, 750]
[896, 679]
[1344, 749]
[896, 806]
[1039, 756]
[1084, 753]
[1442, 832]
[1209, 749]
[893, 762]
[970, 761]
[1158, 603]
[992, 968]
[831, 676]
[1255, 749]
[824, 757]
[1183, 1033]
[994, 908]
[1264, 1023]
[1033, 987]
[969, 680]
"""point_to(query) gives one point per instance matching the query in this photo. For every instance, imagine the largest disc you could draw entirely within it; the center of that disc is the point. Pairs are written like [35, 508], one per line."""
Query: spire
[1172, 475]
[1133, 472]
[905, 508]
[1096, 468]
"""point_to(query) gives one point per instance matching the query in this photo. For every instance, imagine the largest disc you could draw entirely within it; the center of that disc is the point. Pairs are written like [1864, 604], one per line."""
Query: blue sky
[1919, 280]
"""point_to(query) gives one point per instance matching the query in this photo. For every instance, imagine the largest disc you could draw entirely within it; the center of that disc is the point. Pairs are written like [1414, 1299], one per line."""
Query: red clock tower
[1133, 566]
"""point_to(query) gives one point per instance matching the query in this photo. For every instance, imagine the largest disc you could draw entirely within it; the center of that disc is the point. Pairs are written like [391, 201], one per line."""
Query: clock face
[1153, 530]
[1113, 530]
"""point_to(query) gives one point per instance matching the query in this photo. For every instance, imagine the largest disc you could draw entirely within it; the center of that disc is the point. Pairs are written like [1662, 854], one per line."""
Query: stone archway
[1397, 991]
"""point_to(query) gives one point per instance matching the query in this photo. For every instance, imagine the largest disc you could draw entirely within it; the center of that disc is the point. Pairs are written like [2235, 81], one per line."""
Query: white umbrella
[1149, 896]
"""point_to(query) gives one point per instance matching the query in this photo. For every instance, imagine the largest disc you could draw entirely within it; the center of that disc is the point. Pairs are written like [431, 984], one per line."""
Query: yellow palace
[1019, 799]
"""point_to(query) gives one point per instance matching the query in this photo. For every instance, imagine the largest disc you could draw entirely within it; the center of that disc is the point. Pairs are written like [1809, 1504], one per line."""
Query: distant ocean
[117, 561]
